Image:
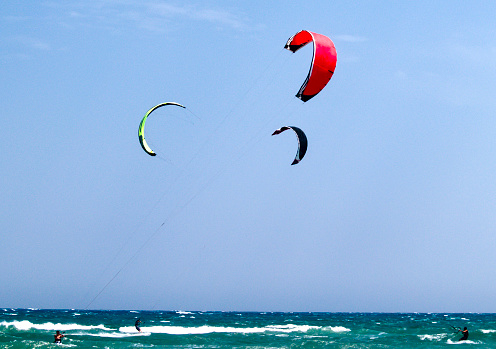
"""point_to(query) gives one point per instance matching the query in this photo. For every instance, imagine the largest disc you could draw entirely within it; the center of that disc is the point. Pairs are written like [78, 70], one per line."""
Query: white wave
[64, 345]
[488, 331]
[212, 329]
[49, 326]
[181, 312]
[461, 342]
[311, 337]
[113, 334]
[338, 329]
[291, 328]
[431, 337]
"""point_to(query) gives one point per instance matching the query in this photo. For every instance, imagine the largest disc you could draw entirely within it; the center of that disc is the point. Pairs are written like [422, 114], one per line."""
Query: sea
[35, 328]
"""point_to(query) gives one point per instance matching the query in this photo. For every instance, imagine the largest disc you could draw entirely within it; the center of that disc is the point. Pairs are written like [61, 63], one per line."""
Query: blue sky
[392, 208]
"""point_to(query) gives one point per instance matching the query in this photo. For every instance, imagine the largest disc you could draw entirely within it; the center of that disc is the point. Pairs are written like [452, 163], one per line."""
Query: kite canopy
[323, 62]
[141, 128]
[302, 141]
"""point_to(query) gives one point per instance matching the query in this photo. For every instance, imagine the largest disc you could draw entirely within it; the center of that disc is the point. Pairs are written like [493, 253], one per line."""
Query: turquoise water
[34, 328]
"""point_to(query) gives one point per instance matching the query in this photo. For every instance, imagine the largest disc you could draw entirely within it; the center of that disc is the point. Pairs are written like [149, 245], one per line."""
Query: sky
[391, 210]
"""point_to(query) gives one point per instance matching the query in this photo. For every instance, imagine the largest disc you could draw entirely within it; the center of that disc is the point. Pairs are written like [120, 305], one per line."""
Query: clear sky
[391, 210]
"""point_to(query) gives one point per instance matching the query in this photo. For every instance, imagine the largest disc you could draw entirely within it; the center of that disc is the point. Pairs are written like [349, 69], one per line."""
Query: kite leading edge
[141, 129]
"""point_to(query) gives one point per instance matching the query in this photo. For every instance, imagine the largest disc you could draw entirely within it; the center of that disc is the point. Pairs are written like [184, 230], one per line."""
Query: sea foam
[26, 325]
[213, 329]
[431, 337]
[488, 331]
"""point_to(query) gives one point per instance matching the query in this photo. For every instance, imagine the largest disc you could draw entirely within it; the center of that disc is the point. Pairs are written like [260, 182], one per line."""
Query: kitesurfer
[137, 325]
[465, 334]
[58, 337]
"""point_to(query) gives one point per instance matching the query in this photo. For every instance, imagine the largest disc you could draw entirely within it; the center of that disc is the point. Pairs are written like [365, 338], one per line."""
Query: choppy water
[34, 328]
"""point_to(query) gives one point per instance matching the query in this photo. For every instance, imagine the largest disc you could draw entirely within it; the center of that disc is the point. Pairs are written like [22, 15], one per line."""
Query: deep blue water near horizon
[34, 328]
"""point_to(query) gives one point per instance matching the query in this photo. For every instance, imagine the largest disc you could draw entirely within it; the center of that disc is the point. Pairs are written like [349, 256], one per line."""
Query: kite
[302, 141]
[323, 62]
[141, 128]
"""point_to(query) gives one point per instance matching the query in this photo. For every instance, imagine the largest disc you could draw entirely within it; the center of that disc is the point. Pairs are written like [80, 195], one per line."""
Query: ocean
[35, 328]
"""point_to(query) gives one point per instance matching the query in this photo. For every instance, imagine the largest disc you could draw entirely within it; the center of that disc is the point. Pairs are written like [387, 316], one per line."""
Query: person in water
[465, 334]
[58, 337]
[137, 325]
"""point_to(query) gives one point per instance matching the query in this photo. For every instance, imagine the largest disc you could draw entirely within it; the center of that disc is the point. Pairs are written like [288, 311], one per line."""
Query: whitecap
[338, 329]
[461, 342]
[183, 312]
[212, 329]
[488, 331]
[26, 325]
[66, 345]
[431, 337]
[115, 334]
